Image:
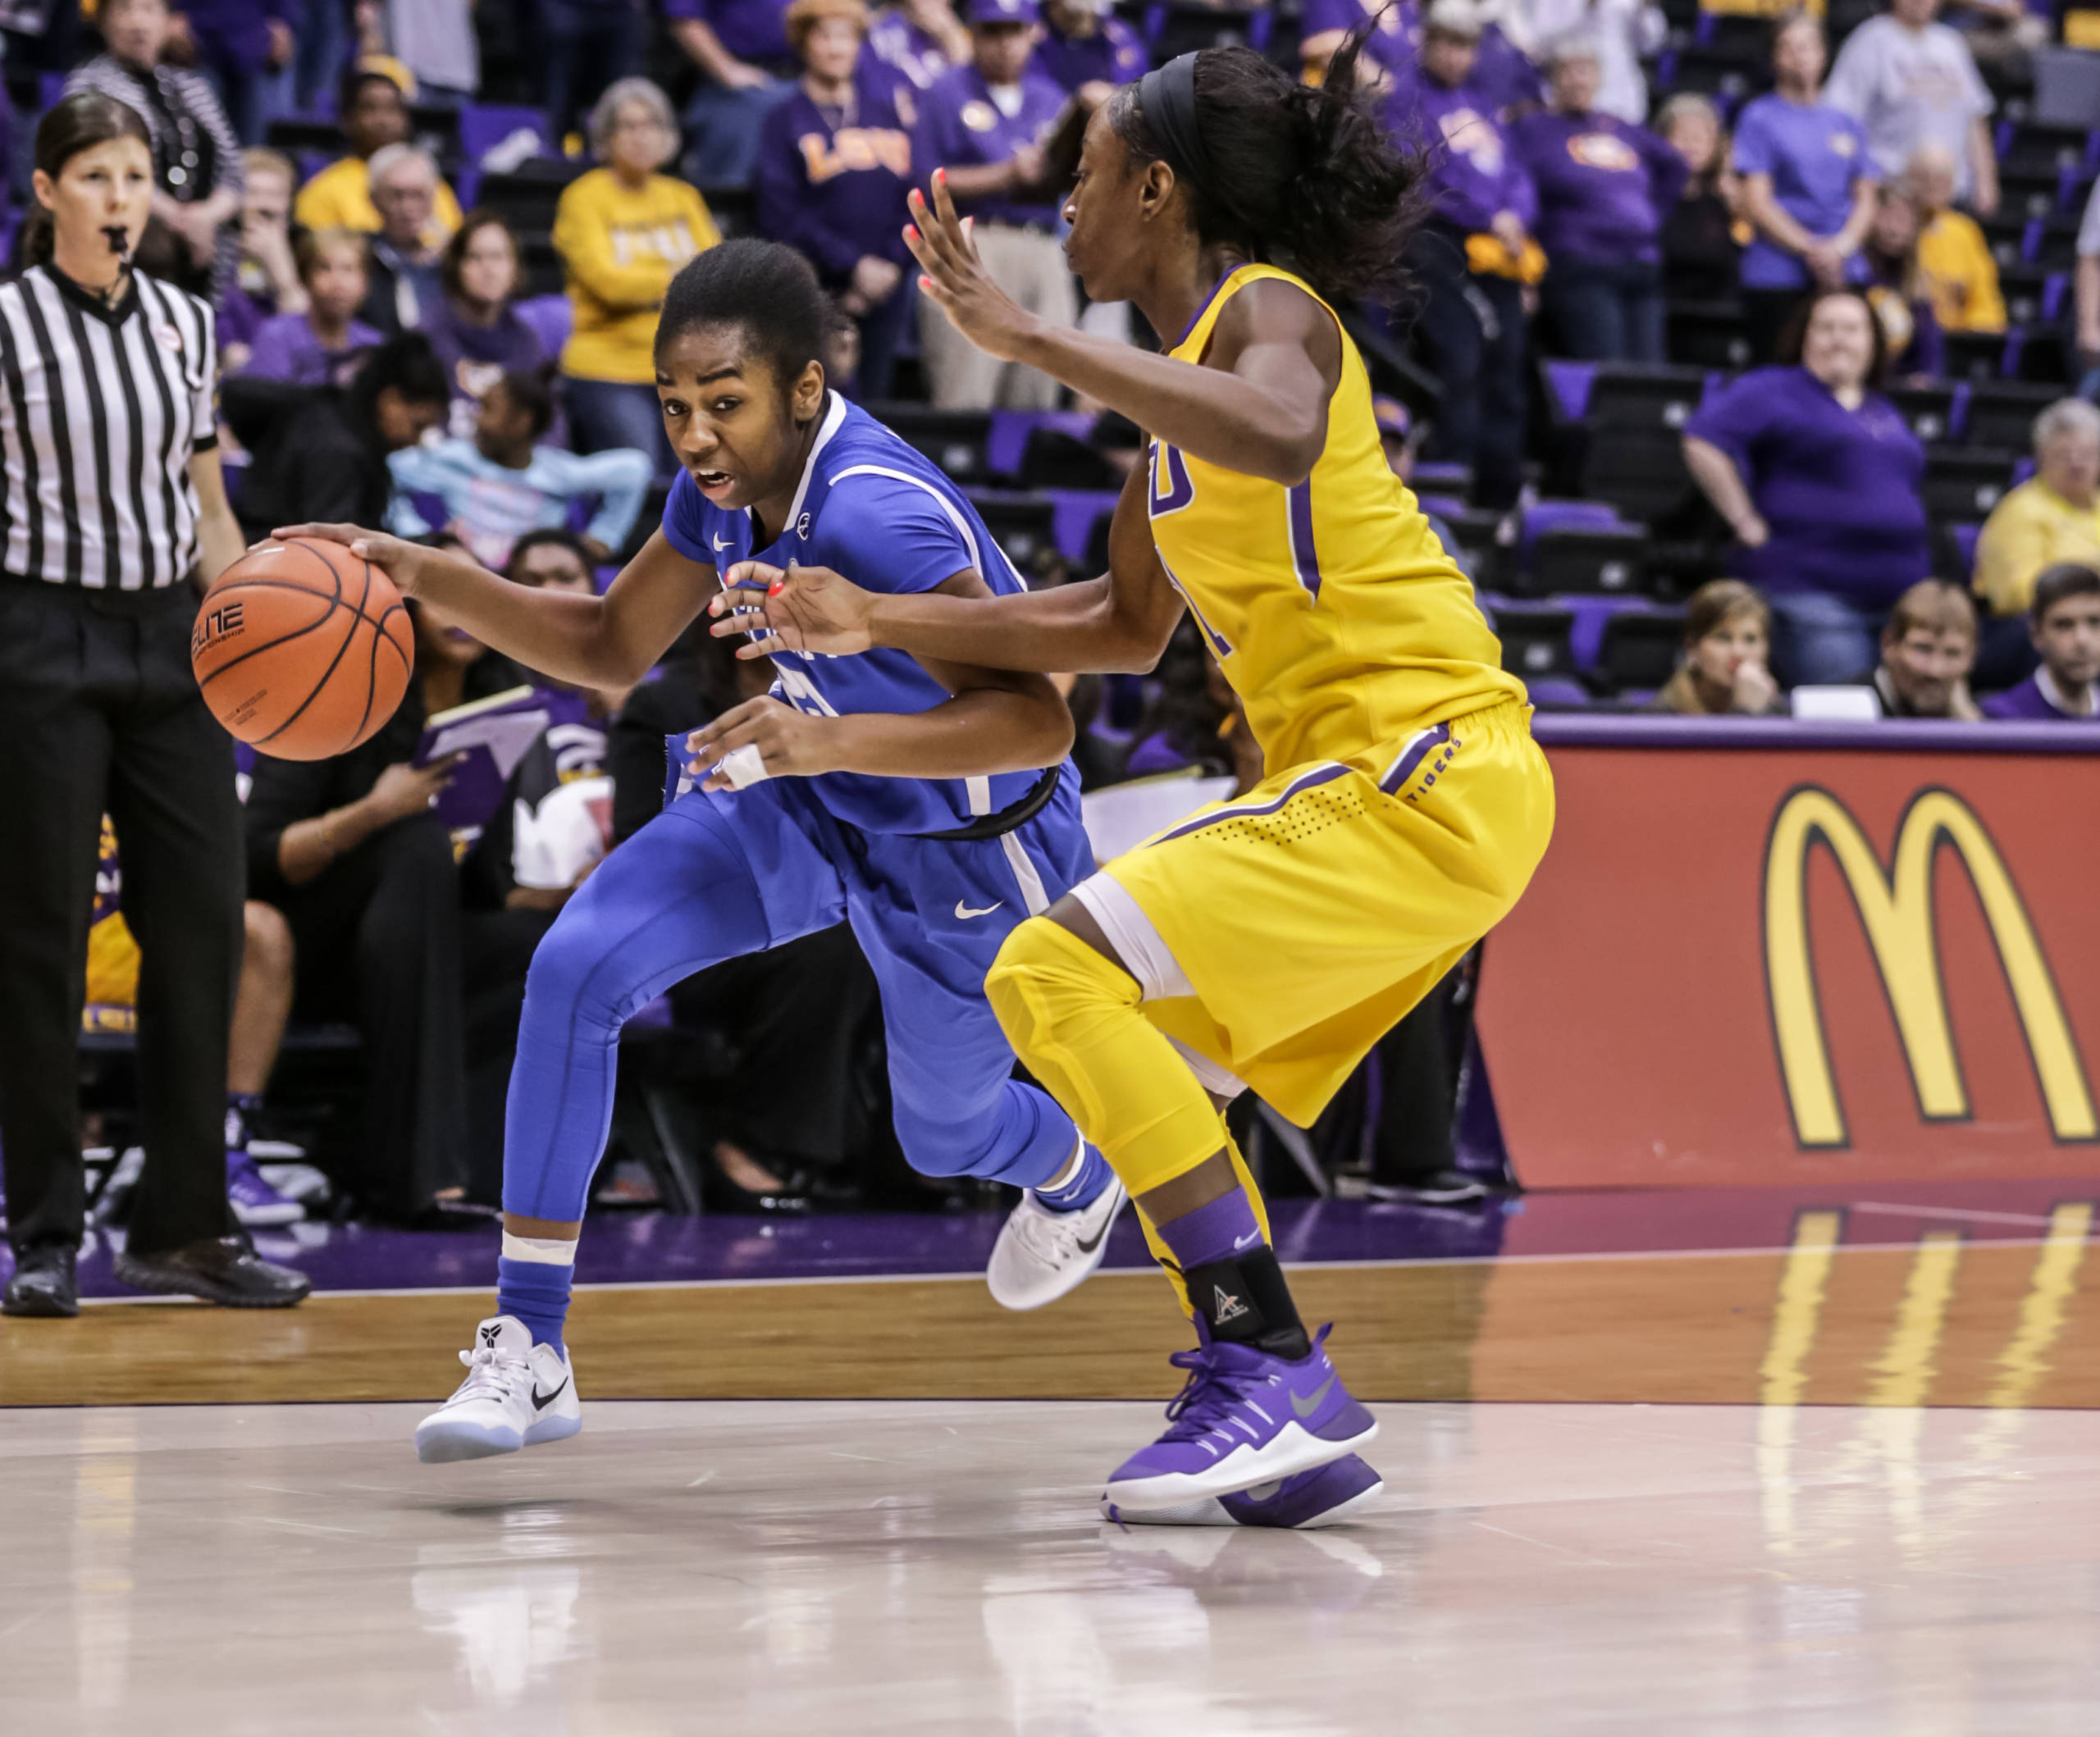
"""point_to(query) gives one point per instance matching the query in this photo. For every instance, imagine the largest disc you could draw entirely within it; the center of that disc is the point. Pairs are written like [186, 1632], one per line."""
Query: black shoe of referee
[220, 1270]
[42, 1284]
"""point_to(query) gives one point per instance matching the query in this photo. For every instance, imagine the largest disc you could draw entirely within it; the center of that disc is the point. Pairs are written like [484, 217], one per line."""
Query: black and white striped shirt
[100, 411]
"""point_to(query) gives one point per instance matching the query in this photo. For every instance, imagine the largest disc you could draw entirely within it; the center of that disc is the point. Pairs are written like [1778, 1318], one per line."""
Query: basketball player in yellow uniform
[1270, 941]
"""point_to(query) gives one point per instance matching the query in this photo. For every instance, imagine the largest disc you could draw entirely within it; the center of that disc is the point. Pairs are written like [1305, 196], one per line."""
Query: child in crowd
[1728, 643]
[317, 348]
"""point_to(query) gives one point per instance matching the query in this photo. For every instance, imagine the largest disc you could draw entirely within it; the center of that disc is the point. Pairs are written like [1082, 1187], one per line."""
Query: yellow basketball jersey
[1334, 612]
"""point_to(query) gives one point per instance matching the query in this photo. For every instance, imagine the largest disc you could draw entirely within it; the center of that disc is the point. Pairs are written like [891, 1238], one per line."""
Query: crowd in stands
[1731, 327]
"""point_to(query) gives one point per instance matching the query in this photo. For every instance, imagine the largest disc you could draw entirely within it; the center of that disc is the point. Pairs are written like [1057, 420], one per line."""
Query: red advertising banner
[1779, 962]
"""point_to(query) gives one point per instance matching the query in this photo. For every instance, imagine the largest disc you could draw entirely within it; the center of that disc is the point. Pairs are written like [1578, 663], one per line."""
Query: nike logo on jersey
[1307, 1407]
[719, 546]
[541, 1401]
[1250, 1238]
[966, 913]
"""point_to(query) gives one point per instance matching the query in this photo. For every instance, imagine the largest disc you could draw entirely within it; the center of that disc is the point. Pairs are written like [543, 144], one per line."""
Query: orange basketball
[303, 649]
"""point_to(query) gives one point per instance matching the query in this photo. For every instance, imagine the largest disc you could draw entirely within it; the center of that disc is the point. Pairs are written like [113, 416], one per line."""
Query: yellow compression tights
[1073, 1016]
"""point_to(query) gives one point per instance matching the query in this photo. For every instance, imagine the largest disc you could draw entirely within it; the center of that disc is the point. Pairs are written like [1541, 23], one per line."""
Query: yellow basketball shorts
[1300, 922]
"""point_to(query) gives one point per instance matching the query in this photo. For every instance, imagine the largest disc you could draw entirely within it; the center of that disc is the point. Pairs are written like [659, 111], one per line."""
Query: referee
[114, 515]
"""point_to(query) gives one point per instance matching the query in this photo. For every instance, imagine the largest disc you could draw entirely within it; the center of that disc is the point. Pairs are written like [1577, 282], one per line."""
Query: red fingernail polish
[925, 282]
[911, 232]
[775, 589]
[941, 175]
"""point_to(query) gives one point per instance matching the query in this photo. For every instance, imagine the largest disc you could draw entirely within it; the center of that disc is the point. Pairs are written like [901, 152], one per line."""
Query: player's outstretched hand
[787, 744]
[956, 278]
[399, 559]
[793, 608]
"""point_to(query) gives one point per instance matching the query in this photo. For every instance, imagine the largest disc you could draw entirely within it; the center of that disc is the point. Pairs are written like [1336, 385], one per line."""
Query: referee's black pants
[99, 711]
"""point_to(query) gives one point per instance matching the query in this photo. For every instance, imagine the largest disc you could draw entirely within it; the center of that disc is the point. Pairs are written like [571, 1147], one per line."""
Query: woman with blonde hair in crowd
[622, 230]
[1728, 641]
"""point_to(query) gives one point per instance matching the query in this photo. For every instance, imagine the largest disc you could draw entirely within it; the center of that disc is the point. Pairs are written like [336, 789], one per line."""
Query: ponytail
[1299, 176]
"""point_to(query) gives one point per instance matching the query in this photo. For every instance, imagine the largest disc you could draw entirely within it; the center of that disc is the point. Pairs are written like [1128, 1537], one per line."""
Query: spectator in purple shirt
[1808, 185]
[1472, 255]
[986, 125]
[474, 325]
[1819, 475]
[1087, 51]
[1604, 190]
[2065, 620]
[242, 47]
[267, 281]
[921, 39]
[747, 70]
[835, 163]
[320, 346]
[1502, 74]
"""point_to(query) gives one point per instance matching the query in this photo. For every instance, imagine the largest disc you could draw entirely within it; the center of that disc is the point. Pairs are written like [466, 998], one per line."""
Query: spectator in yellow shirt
[622, 230]
[2053, 518]
[1960, 276]
[372, 113]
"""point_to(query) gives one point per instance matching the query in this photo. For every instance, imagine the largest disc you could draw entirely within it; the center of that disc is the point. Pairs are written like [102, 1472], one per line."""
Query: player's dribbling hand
[396, 557]
[956, 278]
[790, 744]
[793, 608]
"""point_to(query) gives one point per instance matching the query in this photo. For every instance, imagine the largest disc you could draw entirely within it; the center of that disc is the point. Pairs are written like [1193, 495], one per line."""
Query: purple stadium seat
[1557, 692]
[1964, 544]
[485, 125]
[1008, 443]
[1571, 382]
[1563, 515]
[550, 317]
[1075, 513]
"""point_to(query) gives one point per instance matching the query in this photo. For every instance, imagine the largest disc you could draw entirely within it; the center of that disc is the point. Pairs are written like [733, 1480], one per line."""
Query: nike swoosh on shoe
[541, 1401]
[1303, 1407]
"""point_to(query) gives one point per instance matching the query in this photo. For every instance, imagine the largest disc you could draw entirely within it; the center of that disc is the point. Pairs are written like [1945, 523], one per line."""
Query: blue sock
[1226, 1229]
[536, 1292]
[1084, 1189]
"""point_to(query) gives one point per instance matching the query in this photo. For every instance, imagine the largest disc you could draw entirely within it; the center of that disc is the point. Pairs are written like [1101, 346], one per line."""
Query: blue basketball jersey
[871, 508]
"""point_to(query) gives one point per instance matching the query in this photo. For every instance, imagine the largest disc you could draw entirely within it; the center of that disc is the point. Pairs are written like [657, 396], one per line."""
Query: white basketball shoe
[517, 1394]
[1041, 1255]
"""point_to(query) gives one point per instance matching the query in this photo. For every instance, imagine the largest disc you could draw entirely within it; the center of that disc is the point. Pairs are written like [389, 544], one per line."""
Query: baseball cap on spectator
[1391, 416]
[1004, 12]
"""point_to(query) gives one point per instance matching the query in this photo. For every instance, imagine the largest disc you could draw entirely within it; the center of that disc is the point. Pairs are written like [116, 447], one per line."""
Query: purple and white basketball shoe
[1243, 1418]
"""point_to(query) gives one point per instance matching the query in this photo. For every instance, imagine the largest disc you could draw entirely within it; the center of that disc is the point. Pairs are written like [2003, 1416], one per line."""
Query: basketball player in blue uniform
[927, 804]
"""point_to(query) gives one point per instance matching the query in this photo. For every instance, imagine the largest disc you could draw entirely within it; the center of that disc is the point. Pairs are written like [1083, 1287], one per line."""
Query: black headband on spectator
[1166, 99]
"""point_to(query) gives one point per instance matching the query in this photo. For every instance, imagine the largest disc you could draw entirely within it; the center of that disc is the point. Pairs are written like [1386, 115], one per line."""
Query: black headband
[1166, 99]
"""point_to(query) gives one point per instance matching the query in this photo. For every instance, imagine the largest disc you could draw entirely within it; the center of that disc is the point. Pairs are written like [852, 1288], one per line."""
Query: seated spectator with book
[354, 853]
[1724, 669]
[500, 483]
[2065, 616]
[1819, 476]
[318, 344]
[1927, 650]
[373, 114]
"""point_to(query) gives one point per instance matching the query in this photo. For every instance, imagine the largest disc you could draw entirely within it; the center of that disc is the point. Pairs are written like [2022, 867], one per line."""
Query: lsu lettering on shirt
[869, 507]
[1334, 612]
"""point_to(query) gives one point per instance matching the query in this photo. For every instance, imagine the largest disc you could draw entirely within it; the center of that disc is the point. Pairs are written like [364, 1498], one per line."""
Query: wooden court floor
[1941, 1322]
